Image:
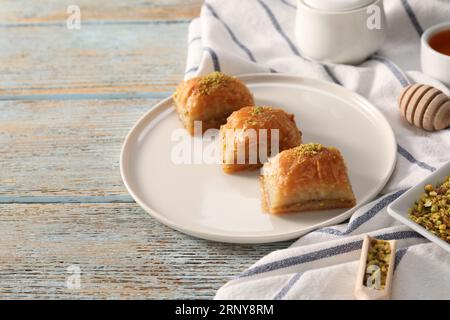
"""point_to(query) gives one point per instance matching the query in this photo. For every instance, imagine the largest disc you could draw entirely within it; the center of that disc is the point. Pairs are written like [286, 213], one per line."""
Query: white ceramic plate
[399, 208]
[200, 200]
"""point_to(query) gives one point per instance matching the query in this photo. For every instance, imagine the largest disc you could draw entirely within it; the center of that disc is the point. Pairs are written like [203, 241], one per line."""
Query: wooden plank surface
[95, 59]
[119, 48]
[49, 11]
[69, 147]
[121, 251]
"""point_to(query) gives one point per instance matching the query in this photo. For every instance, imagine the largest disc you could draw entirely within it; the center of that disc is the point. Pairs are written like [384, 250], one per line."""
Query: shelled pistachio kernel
[379, 255]
[432, 210]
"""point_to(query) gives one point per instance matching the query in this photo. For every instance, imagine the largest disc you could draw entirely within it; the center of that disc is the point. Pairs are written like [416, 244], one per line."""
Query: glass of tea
[435, 52]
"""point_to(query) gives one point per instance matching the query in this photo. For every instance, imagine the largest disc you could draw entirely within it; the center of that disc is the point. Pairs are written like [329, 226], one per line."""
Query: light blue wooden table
[67, 99]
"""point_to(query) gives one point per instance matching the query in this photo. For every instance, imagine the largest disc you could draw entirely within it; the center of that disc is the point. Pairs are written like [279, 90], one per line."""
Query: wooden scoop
[425, 107]
[370, 291]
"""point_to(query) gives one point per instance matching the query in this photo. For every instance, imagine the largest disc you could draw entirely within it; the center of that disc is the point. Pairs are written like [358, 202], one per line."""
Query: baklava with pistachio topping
[304, 178]
[209, 100]
[253, 134]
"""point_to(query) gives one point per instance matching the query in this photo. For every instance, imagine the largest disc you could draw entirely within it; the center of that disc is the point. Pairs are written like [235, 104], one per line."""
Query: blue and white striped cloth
[247, 36]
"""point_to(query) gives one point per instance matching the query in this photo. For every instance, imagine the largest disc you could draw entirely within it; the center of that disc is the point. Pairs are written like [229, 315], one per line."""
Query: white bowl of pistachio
[425, 207]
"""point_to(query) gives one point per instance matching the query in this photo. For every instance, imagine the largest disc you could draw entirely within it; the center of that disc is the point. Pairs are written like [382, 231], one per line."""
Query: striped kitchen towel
[248, 36]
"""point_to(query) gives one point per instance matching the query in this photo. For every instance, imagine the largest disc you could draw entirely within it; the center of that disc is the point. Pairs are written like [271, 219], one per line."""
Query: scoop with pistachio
[432, 210]
[378, 255]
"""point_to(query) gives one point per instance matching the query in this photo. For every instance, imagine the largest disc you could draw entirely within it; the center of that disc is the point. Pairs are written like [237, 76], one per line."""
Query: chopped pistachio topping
[257, 115]
[432, 210]
[378, 255]
[259, 110]
[308, 148]
[211, 81]
[256, 110]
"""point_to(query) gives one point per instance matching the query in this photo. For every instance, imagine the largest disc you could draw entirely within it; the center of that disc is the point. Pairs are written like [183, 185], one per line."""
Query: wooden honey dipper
[425, 107]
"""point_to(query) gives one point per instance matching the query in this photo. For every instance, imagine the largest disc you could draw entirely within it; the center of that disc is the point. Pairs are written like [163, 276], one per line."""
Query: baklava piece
[243, 136]
[305, 178]
[210, 99]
